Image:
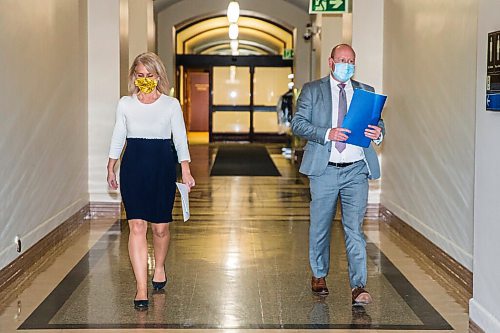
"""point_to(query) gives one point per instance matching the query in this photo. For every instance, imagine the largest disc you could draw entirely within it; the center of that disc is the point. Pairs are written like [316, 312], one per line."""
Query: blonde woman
[148, 121]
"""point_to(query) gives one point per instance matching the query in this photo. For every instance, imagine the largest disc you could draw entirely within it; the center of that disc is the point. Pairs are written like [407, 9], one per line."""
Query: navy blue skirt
[147, 179]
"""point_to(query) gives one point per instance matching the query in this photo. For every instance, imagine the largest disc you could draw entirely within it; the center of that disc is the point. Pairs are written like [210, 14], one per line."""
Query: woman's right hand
[112, 180]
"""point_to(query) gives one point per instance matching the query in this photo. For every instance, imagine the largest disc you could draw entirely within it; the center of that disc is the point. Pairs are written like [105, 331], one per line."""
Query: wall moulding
[452, 268]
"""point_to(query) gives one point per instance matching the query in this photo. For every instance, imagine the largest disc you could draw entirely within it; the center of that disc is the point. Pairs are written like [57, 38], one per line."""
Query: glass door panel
[269, 84]
[265, 122]
[231, 85]
[231, 100]
[238, 110]
[231, 122]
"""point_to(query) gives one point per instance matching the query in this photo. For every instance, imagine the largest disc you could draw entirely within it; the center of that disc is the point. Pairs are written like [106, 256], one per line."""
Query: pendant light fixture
[233, 12]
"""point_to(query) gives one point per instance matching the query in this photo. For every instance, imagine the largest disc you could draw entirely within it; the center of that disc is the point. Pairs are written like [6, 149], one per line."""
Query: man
[336, 169]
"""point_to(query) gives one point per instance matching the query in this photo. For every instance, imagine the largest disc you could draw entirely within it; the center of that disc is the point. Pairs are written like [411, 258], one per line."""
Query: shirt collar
[334, 83]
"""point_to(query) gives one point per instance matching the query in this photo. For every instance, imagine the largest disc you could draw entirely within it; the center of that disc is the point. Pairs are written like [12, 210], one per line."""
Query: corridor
[239, 263]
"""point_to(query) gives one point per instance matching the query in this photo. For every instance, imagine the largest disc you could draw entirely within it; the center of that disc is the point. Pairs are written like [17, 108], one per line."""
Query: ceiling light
[234, 45]
[233, 31]
[233, 12]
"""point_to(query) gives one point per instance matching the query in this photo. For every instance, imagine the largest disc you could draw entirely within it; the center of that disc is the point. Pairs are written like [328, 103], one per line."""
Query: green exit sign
[288, 54]
[328, 6]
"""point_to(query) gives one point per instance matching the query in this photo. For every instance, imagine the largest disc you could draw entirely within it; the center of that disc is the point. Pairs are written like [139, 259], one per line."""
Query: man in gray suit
[336, 169]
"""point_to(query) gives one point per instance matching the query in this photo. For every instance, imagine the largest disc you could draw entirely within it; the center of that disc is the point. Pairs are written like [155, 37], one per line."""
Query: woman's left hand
[188, 180]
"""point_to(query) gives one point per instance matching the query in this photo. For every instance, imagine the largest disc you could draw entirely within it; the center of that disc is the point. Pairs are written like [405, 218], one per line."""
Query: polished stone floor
[240, 263]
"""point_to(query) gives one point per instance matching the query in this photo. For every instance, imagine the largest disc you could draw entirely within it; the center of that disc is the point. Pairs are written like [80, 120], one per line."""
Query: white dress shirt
[351, 153]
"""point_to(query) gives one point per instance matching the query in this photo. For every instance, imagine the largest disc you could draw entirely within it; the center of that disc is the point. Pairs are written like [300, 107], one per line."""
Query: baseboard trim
[17, 268]
[481, 319]
[473, 328]
[373, 211]
[456, 271]
[105, 209]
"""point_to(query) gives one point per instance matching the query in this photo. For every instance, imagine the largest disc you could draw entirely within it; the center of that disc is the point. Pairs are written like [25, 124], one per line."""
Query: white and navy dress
[148, 167]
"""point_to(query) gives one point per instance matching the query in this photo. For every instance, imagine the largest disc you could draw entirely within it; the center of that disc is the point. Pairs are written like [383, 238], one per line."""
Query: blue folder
[365, 109]
[493, 101]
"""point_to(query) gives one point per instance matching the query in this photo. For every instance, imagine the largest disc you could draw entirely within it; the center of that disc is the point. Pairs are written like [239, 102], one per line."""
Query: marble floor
[239, 264]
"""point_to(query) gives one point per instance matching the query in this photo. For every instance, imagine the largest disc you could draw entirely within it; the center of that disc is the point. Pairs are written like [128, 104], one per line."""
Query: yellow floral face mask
[145, 84]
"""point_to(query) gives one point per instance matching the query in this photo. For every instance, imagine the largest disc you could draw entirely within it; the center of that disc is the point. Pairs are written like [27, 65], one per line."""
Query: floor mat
[243, 160]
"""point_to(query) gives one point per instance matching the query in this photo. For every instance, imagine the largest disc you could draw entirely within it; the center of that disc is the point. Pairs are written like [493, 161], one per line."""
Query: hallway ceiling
[159, 5]
[211, 37]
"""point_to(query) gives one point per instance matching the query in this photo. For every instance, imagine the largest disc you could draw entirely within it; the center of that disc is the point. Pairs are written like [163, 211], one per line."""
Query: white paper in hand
[183, 190]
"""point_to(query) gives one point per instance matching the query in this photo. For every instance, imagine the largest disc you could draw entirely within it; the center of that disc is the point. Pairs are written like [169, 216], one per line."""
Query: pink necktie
[340, 146]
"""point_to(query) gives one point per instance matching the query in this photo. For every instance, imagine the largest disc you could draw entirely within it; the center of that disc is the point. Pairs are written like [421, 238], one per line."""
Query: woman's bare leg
[161, 240]
[138, 252]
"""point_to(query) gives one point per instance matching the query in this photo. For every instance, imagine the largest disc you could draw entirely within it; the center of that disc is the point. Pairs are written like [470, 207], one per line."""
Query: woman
[149, 121]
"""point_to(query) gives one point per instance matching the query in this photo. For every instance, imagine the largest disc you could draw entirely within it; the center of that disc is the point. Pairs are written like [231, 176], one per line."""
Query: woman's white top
[161, 119]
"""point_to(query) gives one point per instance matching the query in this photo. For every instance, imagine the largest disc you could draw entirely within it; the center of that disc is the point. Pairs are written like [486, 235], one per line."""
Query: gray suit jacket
[313, 119]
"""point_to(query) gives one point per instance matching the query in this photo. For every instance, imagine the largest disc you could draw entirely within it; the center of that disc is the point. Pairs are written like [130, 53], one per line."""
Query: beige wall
[118, 29]
[141, 27]
[484, 306]
[279, 10]
[332, 31]
[138, 28]
[151, 31]
[124, 44]
[368, 41]
[104, 90]
[43, 118]
[428, 154]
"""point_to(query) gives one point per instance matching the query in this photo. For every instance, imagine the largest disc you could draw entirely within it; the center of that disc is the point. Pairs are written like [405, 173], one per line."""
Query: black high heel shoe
[141, 304]
[159, 285]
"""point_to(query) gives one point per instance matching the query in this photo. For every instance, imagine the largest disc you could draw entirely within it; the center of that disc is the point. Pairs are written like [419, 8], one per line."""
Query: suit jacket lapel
[326, 92]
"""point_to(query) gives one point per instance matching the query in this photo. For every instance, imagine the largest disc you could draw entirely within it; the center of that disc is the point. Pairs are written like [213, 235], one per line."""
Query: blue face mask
[343, 71]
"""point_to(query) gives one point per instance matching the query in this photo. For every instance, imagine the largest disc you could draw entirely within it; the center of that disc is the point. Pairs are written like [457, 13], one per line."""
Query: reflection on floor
[239, 263]
[196, 138]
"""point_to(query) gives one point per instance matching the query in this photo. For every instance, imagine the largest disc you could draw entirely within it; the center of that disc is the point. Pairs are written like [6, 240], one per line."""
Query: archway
[231, 92]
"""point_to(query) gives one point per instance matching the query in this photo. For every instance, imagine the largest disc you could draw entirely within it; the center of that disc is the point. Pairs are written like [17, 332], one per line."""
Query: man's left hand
[373, 132]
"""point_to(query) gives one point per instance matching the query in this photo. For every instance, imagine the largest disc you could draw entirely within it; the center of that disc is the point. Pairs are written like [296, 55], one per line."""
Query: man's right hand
[338, 134]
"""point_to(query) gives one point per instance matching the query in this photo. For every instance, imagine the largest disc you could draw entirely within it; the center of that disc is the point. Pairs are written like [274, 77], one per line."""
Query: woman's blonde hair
[154, 65]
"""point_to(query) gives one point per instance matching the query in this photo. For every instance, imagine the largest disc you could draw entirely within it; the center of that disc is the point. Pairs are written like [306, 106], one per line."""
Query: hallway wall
[484, 309]
[276, 9]
[105, 68]
[332, 32]
[430, 78]
[368, 41]
[118, 31]
[43, 118]
[141, 28]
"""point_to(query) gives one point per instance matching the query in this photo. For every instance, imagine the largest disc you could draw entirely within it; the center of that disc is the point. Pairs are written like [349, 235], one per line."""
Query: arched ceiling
[160, 5]
[256, 37]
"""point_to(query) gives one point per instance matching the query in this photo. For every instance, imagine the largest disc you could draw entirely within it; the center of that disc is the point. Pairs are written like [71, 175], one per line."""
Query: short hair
[332, 54]
[154, 65]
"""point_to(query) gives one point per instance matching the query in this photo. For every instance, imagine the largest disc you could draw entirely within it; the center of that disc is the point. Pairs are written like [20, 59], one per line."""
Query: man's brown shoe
[360, 296]
[318, 286]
